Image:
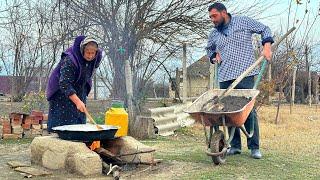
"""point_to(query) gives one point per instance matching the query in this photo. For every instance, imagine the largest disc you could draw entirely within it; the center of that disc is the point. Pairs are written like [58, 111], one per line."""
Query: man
[230, 44]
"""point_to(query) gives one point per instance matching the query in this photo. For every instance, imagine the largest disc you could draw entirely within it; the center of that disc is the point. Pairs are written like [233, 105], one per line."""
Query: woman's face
[89, 52]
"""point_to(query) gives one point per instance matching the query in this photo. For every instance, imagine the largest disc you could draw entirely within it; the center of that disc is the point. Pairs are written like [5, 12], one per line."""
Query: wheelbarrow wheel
[217, 144]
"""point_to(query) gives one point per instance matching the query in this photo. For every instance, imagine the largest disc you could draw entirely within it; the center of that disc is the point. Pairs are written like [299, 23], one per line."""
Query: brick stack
[20, 125]
[16, 128]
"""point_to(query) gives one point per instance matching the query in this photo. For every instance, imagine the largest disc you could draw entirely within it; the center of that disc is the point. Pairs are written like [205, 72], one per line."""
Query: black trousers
[253, 142]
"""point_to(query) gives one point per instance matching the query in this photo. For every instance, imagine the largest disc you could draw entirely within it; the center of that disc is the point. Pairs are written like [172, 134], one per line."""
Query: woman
[70, 83]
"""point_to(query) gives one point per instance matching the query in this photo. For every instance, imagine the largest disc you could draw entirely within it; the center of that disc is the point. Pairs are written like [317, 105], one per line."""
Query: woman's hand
[80, 105]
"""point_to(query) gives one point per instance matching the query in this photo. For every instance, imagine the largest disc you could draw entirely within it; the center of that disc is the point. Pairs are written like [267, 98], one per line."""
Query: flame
[95, 145]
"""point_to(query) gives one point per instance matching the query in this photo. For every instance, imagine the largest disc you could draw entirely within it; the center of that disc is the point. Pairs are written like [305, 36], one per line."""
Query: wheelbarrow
[217, 143]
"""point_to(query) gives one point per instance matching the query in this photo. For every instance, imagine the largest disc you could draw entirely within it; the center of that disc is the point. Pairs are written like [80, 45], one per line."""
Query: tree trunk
[184, 69]
[293, 90]
[129, 97]
[269, 80]
[278, 107]
[309, 87]
[317, 82]
[119, 83]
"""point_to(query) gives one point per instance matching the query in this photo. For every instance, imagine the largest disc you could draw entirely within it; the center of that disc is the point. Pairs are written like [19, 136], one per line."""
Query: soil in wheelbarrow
[227, 104]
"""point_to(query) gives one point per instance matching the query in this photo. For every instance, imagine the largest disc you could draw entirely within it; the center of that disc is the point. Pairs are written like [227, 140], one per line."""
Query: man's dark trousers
[253, 142]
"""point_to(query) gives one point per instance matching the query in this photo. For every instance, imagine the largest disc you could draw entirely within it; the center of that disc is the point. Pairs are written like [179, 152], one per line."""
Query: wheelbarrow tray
[233, 118]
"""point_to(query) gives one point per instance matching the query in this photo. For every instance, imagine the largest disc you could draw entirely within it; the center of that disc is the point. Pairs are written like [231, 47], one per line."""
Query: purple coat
[75, 55]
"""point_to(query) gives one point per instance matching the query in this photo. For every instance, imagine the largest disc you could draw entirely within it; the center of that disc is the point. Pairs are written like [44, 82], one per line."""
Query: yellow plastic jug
[117, 116]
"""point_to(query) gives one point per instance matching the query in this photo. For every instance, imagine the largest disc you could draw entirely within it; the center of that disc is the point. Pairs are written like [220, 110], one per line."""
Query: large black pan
[85, 132]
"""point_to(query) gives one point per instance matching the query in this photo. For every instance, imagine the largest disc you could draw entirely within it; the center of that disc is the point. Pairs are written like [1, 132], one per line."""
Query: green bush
[34, 101]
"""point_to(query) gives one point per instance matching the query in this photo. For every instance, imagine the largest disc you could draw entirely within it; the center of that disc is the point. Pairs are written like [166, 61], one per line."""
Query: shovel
[227, 91]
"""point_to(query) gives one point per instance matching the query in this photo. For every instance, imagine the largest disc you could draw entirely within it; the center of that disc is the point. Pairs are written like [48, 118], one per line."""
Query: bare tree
[292, 55]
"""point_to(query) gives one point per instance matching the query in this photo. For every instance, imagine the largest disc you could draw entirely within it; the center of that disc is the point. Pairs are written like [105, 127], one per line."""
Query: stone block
[128, 145]
[54, 153]
[54, 158]
[79, 163]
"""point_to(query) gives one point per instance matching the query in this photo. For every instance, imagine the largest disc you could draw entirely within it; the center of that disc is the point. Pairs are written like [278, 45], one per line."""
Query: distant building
[198, 77]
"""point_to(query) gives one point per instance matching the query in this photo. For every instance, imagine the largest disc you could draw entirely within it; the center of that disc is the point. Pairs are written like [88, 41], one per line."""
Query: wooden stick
[138, 152]
[92, 120]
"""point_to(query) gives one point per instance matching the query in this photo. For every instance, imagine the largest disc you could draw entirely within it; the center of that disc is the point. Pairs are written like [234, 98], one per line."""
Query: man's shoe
[233, 151]
[256, 154]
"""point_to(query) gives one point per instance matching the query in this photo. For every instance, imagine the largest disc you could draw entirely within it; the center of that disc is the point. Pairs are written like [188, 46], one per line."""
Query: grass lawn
[290, 150]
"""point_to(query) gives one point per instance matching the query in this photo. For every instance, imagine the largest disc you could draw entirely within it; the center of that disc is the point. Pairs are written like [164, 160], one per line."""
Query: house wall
[197, 86]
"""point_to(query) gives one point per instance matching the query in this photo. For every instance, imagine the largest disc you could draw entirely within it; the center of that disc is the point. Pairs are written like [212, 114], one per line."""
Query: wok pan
[85, 132]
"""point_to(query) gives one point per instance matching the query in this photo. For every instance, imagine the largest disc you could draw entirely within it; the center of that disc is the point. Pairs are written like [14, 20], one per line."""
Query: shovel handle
[262, 68]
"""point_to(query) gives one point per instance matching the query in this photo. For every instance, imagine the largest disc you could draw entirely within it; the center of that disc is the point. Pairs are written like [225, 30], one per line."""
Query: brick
[44, 126]
[39, 118]
[26, 126]
[44, 122]
[36, 131]
[1, 119]
[6, 127]
[17, 130]
[12, 136]
[16, 122]
[45, 117]
[35, 122]
[1, 131]
[36, 113]
[17, 116]
[27, 120]
[36, 126]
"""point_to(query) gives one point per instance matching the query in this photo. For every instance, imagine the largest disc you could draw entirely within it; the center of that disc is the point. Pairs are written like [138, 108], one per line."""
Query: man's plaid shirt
[234, 44]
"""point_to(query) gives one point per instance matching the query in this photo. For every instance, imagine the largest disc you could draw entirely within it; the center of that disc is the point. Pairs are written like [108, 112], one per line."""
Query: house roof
[200, 68]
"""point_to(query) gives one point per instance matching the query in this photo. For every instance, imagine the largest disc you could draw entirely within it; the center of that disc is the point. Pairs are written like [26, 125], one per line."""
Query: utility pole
[184, 73]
